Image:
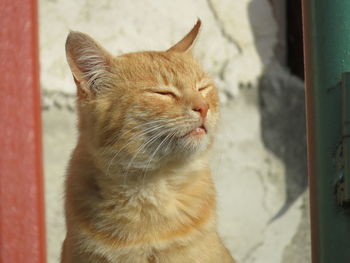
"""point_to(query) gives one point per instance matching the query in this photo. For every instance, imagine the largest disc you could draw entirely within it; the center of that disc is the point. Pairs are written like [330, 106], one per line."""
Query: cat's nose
[202, 108]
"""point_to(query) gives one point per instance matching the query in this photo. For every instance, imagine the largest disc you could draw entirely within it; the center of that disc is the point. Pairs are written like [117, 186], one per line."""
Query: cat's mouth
[200, 130]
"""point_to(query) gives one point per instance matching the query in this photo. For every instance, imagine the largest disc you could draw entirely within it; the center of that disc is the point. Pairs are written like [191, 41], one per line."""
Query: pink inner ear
[85, 56]
[77, 82]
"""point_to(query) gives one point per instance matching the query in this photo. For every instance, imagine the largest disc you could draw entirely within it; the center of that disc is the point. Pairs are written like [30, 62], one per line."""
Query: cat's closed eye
[166, 93]
[163, 93]
[205, 88]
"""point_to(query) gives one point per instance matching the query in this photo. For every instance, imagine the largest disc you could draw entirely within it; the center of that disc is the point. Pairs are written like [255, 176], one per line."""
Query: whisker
[143, 146]
[160, 127]
[115, 138]
[129, 141]
[172, 136]
[145, 132]
[148, 130]
[156, 150]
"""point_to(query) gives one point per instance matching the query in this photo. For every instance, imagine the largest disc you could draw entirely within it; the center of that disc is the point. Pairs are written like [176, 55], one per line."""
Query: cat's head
[144, 109]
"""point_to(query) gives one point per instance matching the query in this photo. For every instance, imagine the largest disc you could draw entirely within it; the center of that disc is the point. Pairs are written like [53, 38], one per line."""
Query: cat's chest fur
[147, 221]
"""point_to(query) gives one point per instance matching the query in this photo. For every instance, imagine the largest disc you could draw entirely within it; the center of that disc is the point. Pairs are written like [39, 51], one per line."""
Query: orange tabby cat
[139, 187]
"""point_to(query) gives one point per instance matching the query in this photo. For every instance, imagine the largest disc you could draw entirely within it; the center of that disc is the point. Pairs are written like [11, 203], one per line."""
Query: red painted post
[22, 231]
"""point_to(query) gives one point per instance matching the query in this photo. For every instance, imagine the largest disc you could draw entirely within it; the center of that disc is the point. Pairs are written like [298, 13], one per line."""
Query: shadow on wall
[282, 108]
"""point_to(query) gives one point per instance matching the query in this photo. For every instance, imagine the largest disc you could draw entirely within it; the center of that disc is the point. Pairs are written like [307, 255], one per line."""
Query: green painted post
[343, 188]
[327, 58]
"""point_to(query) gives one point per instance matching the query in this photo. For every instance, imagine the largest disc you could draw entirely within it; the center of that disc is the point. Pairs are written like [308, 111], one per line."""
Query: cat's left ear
[185, 45]
[89, 63]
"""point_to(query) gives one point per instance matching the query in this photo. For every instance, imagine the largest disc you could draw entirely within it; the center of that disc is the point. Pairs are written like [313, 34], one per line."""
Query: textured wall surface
[228, 46]
[259, 159]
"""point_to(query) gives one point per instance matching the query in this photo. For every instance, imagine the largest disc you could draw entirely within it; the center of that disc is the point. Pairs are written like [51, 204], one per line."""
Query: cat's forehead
[168, 68]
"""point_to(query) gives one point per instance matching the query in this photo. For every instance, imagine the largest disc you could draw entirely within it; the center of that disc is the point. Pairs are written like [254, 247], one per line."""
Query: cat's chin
[196, 140]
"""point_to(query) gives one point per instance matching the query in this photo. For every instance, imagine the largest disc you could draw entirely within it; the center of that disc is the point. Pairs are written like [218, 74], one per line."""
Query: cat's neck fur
[171, 201]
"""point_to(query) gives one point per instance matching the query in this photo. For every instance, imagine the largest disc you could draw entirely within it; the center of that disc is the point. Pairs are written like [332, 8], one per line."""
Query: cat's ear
[88, 61]
[186, 44]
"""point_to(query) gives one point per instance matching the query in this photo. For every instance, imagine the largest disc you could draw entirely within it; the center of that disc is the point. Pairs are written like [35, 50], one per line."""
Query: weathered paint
[22, 234]
[327, 56]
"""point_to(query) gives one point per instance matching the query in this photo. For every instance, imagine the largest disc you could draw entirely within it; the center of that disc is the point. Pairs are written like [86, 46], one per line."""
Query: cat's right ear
[186, 44]
[89, 63]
